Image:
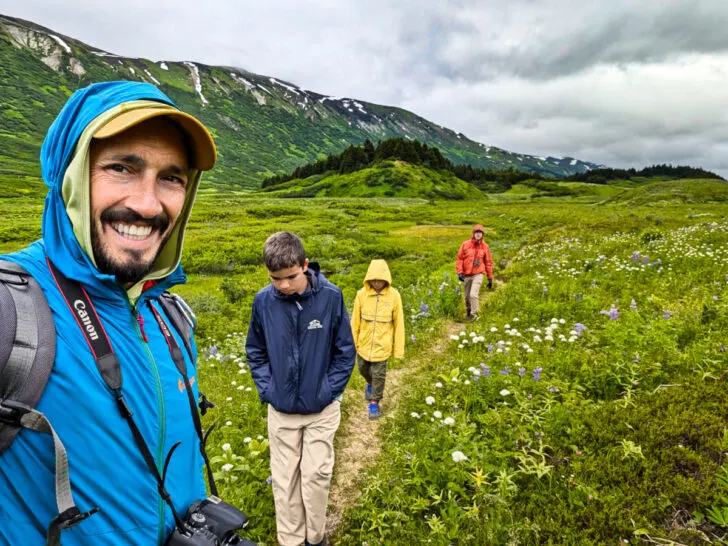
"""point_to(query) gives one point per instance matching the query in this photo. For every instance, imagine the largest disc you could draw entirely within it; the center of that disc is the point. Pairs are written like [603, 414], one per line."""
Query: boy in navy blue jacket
[301, 354]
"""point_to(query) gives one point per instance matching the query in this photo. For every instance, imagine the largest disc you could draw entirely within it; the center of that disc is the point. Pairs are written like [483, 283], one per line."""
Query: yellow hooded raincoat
[377, 321]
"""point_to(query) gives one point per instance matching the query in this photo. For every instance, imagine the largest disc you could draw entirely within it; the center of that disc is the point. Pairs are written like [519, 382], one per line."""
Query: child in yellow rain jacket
[377, 324]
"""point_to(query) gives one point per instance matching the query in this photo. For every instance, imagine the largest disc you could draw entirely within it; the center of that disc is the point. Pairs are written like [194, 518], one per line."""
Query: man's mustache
[128, 216]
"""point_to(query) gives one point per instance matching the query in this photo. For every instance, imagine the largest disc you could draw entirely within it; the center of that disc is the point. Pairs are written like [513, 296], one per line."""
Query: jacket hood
[478, 227]
[66, 224]
[378, 269]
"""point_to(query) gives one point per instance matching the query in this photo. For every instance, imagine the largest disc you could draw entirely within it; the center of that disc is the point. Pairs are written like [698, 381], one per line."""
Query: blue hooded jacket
[106, 467]
[300, 349]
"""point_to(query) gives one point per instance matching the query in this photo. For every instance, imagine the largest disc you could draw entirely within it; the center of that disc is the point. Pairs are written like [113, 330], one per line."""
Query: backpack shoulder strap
[27, 353]
[182, 318]
[27, 341]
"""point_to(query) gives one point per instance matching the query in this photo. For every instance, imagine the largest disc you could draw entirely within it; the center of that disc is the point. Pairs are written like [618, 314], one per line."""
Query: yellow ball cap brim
[204, 152]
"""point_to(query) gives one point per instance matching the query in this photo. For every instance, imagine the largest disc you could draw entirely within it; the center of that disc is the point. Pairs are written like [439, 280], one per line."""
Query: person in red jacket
[473, 260]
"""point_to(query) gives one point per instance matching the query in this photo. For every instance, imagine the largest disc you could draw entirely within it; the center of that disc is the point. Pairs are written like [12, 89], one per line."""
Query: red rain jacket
[470, 251]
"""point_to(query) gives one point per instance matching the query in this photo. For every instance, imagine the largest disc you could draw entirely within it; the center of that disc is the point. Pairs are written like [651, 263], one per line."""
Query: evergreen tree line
[355, 158]
[602, 176]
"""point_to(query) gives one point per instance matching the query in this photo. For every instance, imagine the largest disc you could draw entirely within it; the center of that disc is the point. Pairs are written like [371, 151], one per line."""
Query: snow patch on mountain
[61, 43]
[155, 80]
[198, 84]
[281, 84]
[163, 66]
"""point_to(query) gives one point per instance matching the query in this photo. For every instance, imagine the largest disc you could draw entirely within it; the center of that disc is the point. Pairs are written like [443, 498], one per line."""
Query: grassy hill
[674, 192]
[385, 179]
[263, 126]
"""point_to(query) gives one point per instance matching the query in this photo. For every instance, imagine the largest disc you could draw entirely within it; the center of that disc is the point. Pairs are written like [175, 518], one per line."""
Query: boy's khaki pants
[301, 462]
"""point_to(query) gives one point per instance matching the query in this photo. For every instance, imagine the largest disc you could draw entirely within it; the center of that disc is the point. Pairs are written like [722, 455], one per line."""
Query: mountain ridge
[263, 125]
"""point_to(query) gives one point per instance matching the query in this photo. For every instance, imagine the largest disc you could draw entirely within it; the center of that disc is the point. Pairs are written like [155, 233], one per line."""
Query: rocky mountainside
[262, 125]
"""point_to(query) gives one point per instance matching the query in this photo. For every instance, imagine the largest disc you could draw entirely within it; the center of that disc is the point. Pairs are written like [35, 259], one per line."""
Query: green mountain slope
[671, 192]
[263, 126]
[385, 179]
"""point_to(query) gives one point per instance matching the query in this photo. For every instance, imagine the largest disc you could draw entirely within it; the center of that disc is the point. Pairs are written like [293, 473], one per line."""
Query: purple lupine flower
[213, 350]
[490, 347]
[505, 371]
[486, 371]
[666, 314]
[613, 313]
[633, 305]
[579, 327]
[594, 284]
[722, 348]
[442, 287]
[424, 308]
[457, 289]
[537, 373]
[269, 480]
[636, 256]
[645, 260]
[521, 371]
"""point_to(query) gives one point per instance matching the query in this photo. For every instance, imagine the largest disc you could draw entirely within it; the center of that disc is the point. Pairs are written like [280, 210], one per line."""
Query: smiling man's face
[138, 187]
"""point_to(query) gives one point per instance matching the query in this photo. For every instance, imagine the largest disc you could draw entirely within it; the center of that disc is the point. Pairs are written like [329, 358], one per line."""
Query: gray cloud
[624, 82]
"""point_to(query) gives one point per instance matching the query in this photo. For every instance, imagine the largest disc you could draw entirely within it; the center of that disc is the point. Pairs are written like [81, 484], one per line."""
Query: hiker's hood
[478, 227]
[66, 224]
[378, 269]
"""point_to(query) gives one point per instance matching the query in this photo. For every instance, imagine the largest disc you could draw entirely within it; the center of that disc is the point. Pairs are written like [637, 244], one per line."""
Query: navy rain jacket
[300, 349]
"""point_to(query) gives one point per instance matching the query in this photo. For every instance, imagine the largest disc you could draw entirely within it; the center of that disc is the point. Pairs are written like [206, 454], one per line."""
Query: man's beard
[132, 269]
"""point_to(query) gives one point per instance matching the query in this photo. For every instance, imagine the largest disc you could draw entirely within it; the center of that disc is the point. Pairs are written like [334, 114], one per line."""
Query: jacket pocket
[269, 391]
[324, 394]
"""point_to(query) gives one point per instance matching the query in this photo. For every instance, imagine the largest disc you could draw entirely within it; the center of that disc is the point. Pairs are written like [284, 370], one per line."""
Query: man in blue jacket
[301, 354]
[122, 164]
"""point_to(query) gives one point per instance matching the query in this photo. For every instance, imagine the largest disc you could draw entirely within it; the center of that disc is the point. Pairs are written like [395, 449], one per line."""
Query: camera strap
[108, 366]
[179, 361]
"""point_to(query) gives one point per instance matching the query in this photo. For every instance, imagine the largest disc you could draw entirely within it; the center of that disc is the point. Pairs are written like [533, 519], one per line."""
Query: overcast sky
[619, 82]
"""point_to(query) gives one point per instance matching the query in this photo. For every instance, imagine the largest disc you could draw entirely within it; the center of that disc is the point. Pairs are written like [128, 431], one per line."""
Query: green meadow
[587, 405]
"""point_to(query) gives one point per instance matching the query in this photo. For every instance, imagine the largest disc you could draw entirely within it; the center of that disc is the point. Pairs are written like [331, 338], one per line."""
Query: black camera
[211, 522]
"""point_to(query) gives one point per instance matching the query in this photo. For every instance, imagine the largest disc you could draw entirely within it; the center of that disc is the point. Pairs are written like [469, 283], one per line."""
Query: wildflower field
[587, 405]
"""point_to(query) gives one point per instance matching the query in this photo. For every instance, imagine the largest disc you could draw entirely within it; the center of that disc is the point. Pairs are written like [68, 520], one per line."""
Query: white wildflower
[505, 392]
[449, 421]
[459, 456]
[430, 400]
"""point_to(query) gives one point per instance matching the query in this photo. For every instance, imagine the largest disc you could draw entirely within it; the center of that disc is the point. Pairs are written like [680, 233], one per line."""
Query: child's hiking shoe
[374, 411]
[322, 543]
[368, 391]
